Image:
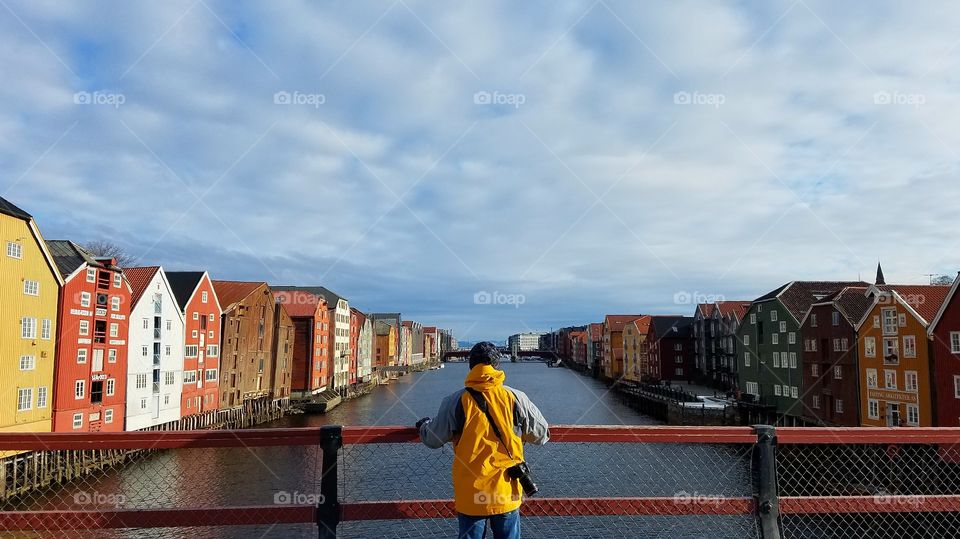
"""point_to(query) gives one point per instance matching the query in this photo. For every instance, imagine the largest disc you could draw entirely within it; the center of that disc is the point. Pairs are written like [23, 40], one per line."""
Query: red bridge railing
[359, 481]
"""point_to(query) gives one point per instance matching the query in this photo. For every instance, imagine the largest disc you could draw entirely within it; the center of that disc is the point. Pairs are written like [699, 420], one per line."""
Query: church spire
[880, 279]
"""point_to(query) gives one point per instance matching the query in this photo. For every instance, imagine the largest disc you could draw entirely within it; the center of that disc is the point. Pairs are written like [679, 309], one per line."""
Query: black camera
[521, 472]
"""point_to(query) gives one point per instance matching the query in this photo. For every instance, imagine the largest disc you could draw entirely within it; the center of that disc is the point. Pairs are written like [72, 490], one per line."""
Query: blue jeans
[505, 526]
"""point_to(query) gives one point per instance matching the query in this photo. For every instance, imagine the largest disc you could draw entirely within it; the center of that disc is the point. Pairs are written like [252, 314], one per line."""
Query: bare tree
[108, 249]
[941, 280]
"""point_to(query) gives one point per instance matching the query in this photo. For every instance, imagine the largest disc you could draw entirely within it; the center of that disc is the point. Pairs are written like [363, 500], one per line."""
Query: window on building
[141, 381]
[169, 325]
[192, 350]
[78, 421]
[873, 409]
[169, 378]
[889, 321]
[837, 372]
[117, 280]
[872, 378]
[213, 350]
[776, 390]
[80, 389]
[679, 371]
[84, 328]
[96, 392]
[910, 381]
[910, 346]
[844, 344]
[31, 288]
[189, 377]
[815, 370]
[196, 316]
[955, 342]
[166, 399]
[813, 320]
[774, 338]
[753, 318]
[28, 363]
[143, 403]
[45, 329]
[211, 375]
[794, 392]
[776, 360]
[890, 379]
[168, 350]
[773, 316]
[91, 275]
[28, 327]
[876, 321]
[108, 415]
[836, 318]
[85, 298]
[913, 415]
[891, 350]
[792, 338]
[14, 250]
[783, 327]
[956, 386]
[115, 303]
[24, 399]
[203, 296]
[753, 388]
[815, 402]
[870, 346]
[836, 345]
[838, 406]
[111, 387]
[42, 397]
[114, 329]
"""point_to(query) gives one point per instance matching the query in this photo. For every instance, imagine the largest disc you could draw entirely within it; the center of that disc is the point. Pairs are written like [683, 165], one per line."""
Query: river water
[262, 476]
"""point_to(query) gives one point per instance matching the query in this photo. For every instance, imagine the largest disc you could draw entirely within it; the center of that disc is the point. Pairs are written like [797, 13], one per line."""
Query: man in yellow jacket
[488, 446]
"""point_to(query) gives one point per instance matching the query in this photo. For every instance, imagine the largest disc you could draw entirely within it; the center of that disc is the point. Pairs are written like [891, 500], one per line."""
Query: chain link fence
[671, 482]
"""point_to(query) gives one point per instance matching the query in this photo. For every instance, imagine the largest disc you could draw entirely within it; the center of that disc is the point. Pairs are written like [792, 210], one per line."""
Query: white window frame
[79, 390]
[783, 327]
[78, 421]
[872, 381]
[746, 359]
[775, 338]
[24, 399]
[31, 287]
[42, 394]
[15, 250]
[837, 372]
[888, 376]
[83, 328]
[776, 390]
[91, 275]
[28, 362]
[909, 346]
[873, 409]
[911, 381]
[794, 392]
[115, 303]
[204, 296]
[108, 415]
[46, 329]
[773, 315]
[111, 388]
[28, 327]
[85, 299]
[838, 406]
[776, 360]
[956, 386]
[815, 403]
[913, 410]
[815, 370]
[870, 347]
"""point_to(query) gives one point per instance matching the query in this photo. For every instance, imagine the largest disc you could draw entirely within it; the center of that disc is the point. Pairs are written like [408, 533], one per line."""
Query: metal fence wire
[674, 482]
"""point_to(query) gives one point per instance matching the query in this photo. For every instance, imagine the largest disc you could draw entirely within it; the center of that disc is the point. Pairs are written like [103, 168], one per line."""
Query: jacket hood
[484, 377]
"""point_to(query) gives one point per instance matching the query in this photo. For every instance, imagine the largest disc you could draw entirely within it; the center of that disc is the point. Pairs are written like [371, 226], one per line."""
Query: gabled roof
[853, 303]
[8, 208]
[925, 300]
[69, 257]
[616, 321]
[662, 326]
[183, 284]
[139, 279]
[705, 309]
[298, 304]
[332, 298]
[734, 308]
[798, 296]
[595, 330]
[946, 303]
[232, 292]
[642, 324]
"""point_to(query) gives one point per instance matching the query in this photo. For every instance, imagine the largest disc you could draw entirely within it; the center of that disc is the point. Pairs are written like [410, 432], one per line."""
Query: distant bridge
[545, 354]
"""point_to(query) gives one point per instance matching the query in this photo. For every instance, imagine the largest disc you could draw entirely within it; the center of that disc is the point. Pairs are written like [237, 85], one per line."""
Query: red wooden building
[201, 314]
[944, 333]
[311, 348]
[670, 348]
[91, 363]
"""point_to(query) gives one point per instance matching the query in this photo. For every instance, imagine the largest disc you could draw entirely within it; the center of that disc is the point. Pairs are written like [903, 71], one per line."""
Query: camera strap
[485, 408]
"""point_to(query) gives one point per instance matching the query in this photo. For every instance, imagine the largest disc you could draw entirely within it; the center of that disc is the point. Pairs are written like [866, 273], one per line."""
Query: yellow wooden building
[29, 292]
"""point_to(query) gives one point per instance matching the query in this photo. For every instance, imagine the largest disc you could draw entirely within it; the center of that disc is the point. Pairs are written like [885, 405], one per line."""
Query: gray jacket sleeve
[530, 422]
[439, 430]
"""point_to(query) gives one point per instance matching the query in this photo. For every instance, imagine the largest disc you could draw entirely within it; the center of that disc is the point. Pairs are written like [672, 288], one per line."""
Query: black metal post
[765, 481]
[328, 510]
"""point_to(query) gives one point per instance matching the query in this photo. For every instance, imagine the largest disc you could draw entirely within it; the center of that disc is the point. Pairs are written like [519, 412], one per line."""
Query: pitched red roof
[706, 309]
[616, 321]
[736, 308]
[231, 292]
[925, 299]
[643, 324]
[298, 304]
[139, 278]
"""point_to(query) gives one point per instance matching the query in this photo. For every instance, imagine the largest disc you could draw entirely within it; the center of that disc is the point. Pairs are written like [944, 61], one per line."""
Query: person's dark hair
[484, 353]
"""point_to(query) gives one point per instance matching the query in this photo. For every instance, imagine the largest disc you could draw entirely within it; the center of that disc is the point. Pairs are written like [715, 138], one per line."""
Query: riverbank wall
[28, 472]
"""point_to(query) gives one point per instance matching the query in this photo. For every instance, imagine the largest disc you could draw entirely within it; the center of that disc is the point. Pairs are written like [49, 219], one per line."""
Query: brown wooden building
[283, 346]
[247, 329]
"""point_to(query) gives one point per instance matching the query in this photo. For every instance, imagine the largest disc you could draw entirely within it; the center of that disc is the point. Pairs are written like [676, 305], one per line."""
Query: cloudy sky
[575, 158]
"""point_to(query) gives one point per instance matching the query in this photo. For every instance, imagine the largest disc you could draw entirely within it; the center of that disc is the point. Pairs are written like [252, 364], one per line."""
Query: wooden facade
[247, 328]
